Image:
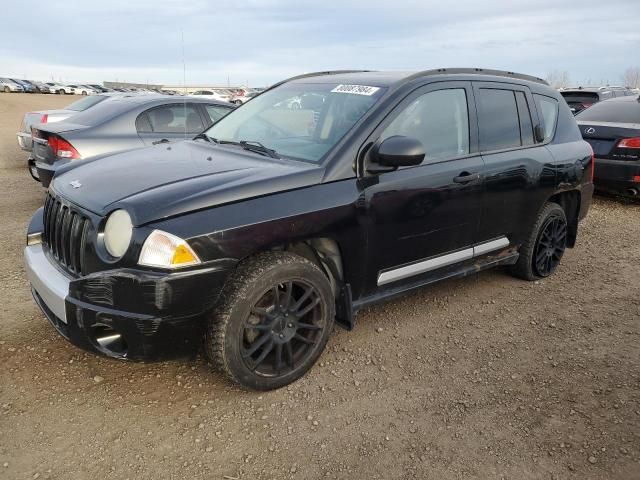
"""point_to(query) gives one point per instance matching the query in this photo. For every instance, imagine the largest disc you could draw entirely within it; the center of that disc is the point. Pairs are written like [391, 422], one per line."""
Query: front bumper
[617, 176]
[125, 313]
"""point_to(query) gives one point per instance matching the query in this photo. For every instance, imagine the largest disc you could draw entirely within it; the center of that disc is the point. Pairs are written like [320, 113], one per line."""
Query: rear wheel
[61, 92]
[84, 92]
[273, 321]
[540, 255]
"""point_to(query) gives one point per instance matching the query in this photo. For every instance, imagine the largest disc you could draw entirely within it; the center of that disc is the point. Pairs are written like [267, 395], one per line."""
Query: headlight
[117, 233]
[161, 249]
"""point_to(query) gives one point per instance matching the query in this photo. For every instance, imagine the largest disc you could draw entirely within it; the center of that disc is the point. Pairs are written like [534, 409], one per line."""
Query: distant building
[131, 85]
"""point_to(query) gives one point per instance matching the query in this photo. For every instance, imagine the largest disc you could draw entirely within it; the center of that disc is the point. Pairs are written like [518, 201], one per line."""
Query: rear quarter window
[548, 112]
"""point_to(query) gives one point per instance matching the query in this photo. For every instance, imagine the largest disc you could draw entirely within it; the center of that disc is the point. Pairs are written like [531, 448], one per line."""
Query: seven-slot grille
[65, 233]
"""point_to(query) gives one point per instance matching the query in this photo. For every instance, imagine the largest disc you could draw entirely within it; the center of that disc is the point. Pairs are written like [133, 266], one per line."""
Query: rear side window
[548, 109]
[216, 112]
[524, 113]
[499, 120]
[440, 120]
[178, 118]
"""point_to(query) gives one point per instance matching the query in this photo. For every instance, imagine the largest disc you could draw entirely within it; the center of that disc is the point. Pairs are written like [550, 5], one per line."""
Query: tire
[61, 92]
[541, 253]
[83, 93]
[7, 90]
[248, 337]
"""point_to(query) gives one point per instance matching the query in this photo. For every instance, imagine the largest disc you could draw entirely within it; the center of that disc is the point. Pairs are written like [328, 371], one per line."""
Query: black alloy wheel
[551, 245]
[282, 329]
[272, 320]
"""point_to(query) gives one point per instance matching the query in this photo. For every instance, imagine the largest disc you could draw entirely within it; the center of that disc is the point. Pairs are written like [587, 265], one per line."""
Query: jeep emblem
[75, 184]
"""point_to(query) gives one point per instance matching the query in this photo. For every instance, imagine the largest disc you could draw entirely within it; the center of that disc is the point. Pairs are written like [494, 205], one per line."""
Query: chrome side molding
[447, 259]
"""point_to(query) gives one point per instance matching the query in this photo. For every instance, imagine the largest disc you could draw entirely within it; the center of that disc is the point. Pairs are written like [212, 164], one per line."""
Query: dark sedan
[119, 124]
[613, 130]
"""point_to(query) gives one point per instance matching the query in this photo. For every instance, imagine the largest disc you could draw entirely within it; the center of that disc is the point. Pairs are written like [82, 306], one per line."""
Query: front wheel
[540, 255]
[84, 93]
[7, 90]
[61, 92]
[273, 321]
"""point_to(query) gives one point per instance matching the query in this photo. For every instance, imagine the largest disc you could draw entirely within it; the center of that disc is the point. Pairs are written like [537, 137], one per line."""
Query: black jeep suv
[325, 193]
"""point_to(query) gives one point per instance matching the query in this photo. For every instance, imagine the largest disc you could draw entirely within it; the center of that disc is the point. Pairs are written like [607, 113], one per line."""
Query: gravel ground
[485, 377]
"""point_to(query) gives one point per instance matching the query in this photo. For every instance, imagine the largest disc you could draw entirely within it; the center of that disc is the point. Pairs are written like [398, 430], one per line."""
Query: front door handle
[466, 177]
[164, 140]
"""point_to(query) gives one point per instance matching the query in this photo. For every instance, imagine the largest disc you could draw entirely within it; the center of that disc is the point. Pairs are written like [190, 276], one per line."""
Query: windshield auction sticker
[356, 89]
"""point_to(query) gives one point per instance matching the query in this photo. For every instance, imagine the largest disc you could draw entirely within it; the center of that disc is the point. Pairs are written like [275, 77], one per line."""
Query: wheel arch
[570, 203]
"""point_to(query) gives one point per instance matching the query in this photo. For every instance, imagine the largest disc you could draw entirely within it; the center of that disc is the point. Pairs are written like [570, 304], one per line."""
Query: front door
[424, 219]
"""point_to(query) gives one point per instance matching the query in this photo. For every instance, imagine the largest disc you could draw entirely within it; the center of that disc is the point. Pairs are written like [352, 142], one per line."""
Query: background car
[121, 123]
[51, 116]
[59, 88]
[80, 89]
[244, 97]
[583, 97]
[213, 94]
[613, 130]
[7, 85]
[28, 87]
[41, 86]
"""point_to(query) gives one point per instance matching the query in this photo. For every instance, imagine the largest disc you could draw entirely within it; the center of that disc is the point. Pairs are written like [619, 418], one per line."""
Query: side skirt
[508, 257]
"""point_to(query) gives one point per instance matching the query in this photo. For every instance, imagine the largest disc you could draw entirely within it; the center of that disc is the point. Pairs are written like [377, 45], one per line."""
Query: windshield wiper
[257, 147]
[206, 137]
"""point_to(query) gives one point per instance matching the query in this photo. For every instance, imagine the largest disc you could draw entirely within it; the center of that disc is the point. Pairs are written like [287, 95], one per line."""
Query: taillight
[629, 143]
[586, 105]
[44, 118]
[61, 148]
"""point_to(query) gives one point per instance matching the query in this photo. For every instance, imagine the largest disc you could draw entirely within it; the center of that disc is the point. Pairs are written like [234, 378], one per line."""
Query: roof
[389, 78]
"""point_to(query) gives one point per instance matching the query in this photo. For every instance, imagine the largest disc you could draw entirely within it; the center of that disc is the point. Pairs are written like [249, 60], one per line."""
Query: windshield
[616, 111]
[84, 103]
[298, 120]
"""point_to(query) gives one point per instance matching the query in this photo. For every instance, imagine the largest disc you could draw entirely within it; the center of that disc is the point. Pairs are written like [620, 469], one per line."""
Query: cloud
[264, 41]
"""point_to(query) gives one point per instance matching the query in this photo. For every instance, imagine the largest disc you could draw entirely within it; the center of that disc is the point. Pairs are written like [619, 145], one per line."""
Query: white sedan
[84, 90]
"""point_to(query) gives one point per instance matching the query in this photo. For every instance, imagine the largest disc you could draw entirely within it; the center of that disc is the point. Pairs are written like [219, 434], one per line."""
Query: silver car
[121, 123]
[7, 85]
[51, 116]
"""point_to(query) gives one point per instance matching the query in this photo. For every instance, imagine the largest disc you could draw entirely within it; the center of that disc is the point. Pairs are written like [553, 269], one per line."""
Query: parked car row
[257, 235]
[580, 98]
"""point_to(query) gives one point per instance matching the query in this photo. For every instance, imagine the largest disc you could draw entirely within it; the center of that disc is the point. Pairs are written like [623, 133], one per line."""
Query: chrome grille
[65, 234]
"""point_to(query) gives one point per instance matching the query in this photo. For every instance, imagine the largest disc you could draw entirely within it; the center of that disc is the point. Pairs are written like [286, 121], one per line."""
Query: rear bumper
[617, 176]
[154, 315]
[24, 141]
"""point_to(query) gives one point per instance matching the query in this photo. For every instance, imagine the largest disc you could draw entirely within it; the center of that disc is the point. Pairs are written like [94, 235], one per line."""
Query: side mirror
[538, 131]
[398, 151]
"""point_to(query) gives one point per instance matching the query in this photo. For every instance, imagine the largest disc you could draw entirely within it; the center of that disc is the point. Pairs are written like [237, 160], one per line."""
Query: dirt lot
[484, 377]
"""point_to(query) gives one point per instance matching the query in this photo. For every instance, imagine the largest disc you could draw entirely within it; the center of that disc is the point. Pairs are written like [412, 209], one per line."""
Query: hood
[166, 180]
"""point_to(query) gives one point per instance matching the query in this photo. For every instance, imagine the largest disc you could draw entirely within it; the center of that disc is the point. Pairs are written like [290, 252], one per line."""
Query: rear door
[515, 166]
[169, 123]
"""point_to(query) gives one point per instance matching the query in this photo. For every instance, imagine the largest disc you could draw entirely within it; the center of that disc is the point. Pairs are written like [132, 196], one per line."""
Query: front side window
[548, 108]
[298, 120]
[498, 119]
[439, 120]
[179, 118]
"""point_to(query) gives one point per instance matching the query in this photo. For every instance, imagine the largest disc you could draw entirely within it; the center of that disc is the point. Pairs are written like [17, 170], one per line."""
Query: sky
[262, 41]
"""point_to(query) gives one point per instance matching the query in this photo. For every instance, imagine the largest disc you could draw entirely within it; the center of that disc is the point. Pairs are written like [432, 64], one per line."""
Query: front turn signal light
[164, 250]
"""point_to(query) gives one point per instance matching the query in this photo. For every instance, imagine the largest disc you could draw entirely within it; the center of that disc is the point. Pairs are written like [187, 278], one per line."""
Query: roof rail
[315, 74]
[478, 71]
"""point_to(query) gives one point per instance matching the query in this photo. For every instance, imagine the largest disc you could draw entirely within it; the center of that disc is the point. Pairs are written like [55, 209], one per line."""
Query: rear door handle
[466, 177]
[164, 140]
